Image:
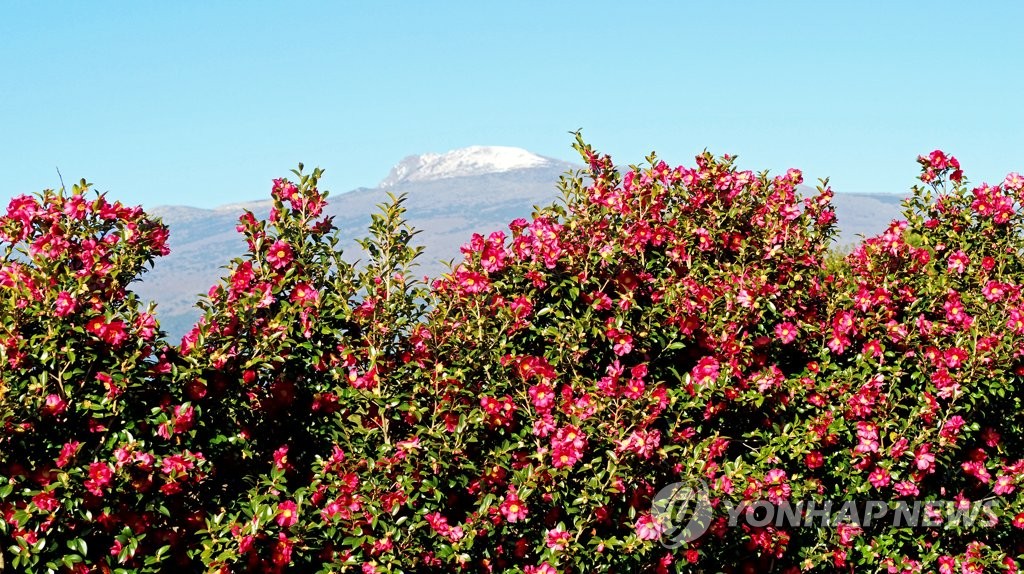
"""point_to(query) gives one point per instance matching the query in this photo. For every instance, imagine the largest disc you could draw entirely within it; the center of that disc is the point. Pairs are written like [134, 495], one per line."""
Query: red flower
[46, 501]
[1018, 520]
[282, 550]
[114, 333]
[303, 294]
[100, 476]
[67, 452]
[814, 460]
[287, 514]
[471, 281]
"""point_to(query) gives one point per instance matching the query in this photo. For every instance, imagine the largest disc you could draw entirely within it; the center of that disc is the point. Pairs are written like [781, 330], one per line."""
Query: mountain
[465, 162]
[449, 197]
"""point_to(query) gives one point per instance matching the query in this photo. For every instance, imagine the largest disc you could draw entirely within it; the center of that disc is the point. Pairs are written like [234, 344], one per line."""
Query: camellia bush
[659, 325]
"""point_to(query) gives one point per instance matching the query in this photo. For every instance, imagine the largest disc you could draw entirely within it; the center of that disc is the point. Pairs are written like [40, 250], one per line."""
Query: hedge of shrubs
[657, 325]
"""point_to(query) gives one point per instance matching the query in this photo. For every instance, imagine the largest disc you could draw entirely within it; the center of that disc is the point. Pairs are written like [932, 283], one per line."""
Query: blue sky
[203, 103]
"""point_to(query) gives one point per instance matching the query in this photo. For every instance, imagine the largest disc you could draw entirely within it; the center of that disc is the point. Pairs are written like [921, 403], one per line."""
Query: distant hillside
[450, 196]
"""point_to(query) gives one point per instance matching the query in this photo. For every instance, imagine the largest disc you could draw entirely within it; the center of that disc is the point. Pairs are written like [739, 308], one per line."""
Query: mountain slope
[449, 197]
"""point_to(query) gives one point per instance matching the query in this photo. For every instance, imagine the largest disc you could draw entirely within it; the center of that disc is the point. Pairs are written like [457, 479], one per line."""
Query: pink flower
[1014, 182]
[704, 242]
[470, 282]
[867, 436]
[706, 372]
[281, 458]
[906, 488]
[923, 459]
[1016, 321]
[287, 514]
[977, 469]
[847, 532]
[283, 190]
[557, 539]
[622, 342]
[54, 405]
[951, 429]
[512, 508]
[786, 332]
[543, 568]
[955, 312]
[100, 476]
[45, 501]
[492, 259]
[280, 254]
[521, 307]
[67, 452]
[776, 486]
[958, 262]
[1004, 485]
[116, 548]
[65, 304]
[898, 448]
[641, 442]
[438, 522]
[993, 291]
[879, 478]
[146, 325]
[542, 396]
[176, 466]
[648, 528]
[955, 357]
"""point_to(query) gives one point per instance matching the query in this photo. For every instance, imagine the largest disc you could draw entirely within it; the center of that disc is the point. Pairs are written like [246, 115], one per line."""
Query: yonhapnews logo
[685, 513]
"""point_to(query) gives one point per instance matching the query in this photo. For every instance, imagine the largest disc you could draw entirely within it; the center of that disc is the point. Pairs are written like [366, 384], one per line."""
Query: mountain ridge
[446, 210]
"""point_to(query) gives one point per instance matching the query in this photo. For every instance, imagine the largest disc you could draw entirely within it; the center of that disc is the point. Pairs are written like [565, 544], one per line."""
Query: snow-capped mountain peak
[473, 160]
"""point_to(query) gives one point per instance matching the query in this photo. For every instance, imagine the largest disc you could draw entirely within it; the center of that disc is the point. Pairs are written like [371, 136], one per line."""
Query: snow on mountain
[469, 161]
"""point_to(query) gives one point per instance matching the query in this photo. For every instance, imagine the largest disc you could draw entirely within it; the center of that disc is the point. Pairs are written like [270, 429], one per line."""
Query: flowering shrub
[84, 479]
[658, 325]
[631, 342]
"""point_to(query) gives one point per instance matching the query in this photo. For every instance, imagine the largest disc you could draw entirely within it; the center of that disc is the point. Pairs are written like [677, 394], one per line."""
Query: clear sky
[203, 103]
